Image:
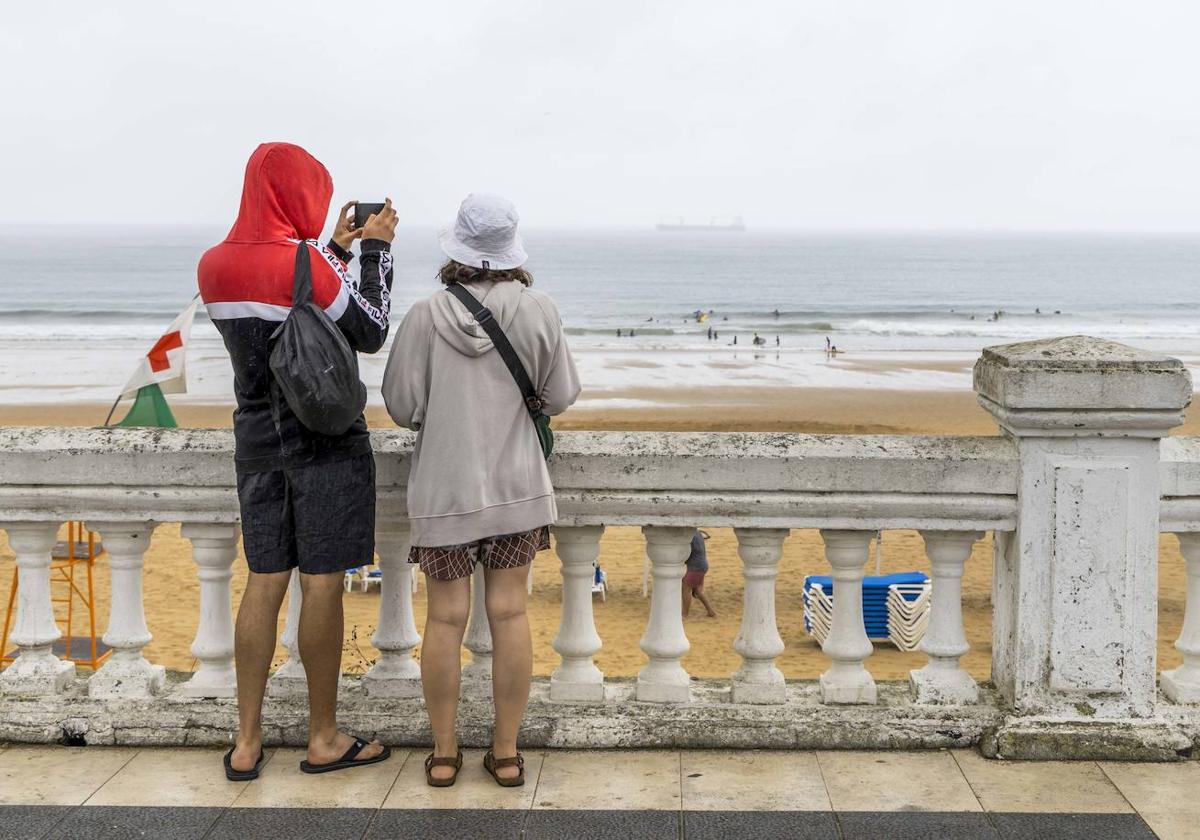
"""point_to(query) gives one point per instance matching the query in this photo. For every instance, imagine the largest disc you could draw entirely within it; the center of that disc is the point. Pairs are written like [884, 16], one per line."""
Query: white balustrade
[758, 642]
[289, 679]
[37, 670]
[577, 678]
[663, 679]
[214, 548]
[1182, 684]
[477, 672]
[127, 674]
[847, 680]
[943, 680]
[395, 673]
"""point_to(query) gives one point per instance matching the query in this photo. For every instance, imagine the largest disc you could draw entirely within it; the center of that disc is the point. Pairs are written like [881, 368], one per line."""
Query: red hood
[286, 196]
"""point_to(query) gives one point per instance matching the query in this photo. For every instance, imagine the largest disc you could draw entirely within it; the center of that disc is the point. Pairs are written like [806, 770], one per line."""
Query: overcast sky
[1012, 115]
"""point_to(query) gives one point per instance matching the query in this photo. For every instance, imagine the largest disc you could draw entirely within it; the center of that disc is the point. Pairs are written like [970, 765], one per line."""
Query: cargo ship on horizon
[735, 225]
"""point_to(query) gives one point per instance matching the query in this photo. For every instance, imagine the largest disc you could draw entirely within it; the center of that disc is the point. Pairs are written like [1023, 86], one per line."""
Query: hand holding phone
[364, 211]
[382, 224]
[344, 233]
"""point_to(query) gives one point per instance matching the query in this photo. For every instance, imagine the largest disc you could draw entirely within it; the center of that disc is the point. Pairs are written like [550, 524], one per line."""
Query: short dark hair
[453, 271]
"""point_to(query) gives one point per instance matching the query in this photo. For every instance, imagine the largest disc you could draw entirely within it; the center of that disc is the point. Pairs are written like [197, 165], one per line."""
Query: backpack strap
[484, 317]
[302, 287]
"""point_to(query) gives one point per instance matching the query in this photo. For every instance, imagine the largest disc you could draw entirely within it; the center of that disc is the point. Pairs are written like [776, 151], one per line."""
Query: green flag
[149, 409]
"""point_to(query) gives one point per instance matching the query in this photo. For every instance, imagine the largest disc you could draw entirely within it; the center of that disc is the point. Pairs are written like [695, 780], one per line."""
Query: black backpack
[313, 364]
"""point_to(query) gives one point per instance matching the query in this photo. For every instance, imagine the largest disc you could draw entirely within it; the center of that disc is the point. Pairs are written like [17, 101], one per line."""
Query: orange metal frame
[62, 572]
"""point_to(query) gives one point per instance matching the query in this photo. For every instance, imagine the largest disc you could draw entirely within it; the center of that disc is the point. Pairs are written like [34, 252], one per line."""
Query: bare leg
[254, 645]
[320, 638]
[512, 657]
[687, 600]
[704, 600]
[449, 605]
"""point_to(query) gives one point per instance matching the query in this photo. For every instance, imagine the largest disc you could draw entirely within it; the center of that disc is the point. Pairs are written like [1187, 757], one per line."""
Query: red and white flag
[164, 364]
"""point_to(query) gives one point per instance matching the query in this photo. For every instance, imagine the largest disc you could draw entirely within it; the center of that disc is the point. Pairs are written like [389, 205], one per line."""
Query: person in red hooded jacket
[307, 500]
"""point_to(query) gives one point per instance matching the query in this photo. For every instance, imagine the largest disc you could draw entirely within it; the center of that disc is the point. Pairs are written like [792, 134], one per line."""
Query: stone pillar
[289, 679]
[395, 673]
[214, 548]
[1182, 684]
[847, 681]
[943, 680]
[1075, 620]
[37, 670]
[577, 678]
[758, 642]
[663, 679]
[477, 673]
[127, 674]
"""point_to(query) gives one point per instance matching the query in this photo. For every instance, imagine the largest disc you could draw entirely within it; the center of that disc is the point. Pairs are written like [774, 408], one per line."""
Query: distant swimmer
[828, 344]
[759, 341]
[776, 313]
[618, 332]
[735, 340]
[776, 341]
[633, 333]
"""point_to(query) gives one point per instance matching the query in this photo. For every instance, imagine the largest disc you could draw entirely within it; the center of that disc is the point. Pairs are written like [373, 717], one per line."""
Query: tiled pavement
[119, 793]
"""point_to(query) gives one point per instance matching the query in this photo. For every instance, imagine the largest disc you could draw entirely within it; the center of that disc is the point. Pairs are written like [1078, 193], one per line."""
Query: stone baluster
[577, 678]
[37, 670]
[943, 680]
[847, 680]
[127, 674]
[395, 673]
[214, 548]
[1182, 684]
[477, 673]
[663, 679]
[289, 679]
[758, 642]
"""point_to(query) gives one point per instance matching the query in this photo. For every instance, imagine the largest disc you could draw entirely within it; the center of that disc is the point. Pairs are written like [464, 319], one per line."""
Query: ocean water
[908, 310]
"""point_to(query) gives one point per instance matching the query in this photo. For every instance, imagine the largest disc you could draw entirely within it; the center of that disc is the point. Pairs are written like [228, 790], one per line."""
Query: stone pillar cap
[1076, 377]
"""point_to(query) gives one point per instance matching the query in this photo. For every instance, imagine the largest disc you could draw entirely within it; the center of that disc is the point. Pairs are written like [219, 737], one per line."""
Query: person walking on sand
[693, 578]
[307, 499]
[478, 487]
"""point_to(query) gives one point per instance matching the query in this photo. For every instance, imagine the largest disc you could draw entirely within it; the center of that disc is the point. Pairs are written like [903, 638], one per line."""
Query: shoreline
[705, 409]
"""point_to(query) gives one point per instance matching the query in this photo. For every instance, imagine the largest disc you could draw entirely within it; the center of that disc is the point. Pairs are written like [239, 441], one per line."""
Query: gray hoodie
[477, 469]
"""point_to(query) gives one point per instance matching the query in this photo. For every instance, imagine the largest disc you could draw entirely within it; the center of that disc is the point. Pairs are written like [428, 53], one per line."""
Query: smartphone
[364, 211]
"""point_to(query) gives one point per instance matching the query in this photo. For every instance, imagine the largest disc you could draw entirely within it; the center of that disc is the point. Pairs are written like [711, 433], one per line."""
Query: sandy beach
[171, 589]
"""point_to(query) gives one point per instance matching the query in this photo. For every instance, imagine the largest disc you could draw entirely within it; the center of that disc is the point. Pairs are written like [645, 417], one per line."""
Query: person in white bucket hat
[478, 487]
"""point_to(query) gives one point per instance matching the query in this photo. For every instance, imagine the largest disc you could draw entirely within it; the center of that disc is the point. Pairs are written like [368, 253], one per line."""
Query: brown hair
[455, 272]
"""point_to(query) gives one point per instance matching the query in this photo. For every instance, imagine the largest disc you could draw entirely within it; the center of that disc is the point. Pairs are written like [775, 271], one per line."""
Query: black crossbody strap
[483, 316]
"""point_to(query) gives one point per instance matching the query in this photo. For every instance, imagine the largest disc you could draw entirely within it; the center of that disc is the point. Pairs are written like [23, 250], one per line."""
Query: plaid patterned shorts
[509, 551]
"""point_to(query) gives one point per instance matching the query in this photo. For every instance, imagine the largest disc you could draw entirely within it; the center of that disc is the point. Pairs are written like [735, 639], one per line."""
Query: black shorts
[320, 519]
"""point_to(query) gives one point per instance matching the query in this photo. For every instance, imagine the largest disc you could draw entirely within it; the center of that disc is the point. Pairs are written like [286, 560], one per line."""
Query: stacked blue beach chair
[895, 607]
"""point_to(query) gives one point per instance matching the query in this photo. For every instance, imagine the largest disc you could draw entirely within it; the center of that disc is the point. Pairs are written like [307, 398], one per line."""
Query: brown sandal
[491, 763]
[442, 761]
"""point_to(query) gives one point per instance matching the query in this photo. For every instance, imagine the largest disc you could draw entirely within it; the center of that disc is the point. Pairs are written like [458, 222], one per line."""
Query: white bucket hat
[485, 234]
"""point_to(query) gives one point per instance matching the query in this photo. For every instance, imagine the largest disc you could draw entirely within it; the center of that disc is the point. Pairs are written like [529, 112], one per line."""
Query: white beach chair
[599, 582]
[908, 606]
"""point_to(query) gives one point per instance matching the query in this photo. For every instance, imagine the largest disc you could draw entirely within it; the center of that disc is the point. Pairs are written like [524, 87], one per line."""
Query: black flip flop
[243, 775]
[348, 759]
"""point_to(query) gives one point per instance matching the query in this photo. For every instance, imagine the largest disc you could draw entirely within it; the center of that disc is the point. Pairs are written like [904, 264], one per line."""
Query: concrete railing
[1073, 490]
